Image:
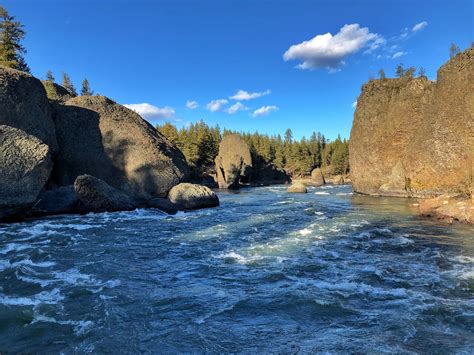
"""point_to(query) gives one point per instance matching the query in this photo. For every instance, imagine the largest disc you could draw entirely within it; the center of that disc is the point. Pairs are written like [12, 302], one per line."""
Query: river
[267, 271]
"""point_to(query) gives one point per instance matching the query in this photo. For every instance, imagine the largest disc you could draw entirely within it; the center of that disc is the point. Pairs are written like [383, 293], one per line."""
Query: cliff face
[413, 137]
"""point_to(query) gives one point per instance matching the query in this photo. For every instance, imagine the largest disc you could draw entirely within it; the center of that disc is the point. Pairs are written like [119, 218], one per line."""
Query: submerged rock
[24, 105]
[234, 162]
[297, 187]
[102, 138]
[96, 195]
[317, 177]
[192, 196]
[25, 166]
[413, 137]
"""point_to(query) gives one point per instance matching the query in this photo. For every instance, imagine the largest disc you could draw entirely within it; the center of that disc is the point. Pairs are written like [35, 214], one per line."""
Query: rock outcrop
[234, 162]
[99, 137]
[25, 166]
[24, 105]
[95, 195]
[414, 137]
[317, 177]
[192, 196]
[61, 200]
[297, 187]
[448, 209]
[56, 92]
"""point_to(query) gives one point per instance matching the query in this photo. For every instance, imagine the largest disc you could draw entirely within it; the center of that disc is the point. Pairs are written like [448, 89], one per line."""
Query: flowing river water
[267, 271]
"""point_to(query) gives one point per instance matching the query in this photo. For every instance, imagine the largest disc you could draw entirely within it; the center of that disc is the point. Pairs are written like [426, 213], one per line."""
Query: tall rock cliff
[414, 137]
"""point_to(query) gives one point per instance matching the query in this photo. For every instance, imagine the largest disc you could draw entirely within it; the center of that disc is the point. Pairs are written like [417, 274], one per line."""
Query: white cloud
[328, 51]
[216, 105]
[245, 95]
[192, 105]
[236, 107]
[398, 54]
[264, 110]
[354, 104]
[149, 111]
[419, 26]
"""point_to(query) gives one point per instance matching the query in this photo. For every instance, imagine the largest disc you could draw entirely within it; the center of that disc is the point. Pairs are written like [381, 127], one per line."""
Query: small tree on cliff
[410, 72]
[382, 74]
[67, 83]
[400, 71]
[11, 34]
[86, 90]
[453, 50]
[49, 76]
[421, 72]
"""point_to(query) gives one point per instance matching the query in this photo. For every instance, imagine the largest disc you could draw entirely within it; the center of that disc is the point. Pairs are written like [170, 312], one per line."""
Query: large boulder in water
[317, 177]
[96, 195]
[99, 137]
[298, 187]
[192, 196]
[24, 105]
[25, 166]
[414, 137]
[233, 163]
[61, 200]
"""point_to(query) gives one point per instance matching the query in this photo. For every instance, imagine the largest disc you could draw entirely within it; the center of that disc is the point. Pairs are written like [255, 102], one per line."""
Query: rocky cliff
[234, 162]
[414, 137]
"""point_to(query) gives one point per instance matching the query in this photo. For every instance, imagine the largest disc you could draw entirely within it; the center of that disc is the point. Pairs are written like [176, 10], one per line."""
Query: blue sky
[162, 56]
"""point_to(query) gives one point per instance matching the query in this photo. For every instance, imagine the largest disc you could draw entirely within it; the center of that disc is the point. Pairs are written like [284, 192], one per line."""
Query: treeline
[200, 145]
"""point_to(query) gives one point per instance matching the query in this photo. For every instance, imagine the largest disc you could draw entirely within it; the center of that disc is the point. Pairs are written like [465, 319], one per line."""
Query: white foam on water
[344, 193]
[29, 262]
[321, 193]
[305, 232]
[45, 297]
[14, 247]
[80, 327]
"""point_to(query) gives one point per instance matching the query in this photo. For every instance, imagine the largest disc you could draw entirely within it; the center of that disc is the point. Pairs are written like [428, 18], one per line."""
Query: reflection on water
[267, 271]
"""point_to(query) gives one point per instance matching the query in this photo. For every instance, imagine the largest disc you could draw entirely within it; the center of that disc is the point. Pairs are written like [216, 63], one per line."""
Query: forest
[297, 158]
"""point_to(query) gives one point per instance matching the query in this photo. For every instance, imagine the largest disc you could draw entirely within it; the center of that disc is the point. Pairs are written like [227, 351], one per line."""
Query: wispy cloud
[419, 26]
[398, 54]
[236, 108]
[216, 105]
[329, 51]
[149, 111]
[264, 111]
[243, 95]
[354, 104]
[192, 105]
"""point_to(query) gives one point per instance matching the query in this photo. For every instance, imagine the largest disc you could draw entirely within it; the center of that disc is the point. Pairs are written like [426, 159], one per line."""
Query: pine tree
[86, 90]
[382, 74]
[421, 72]
[400, 71]
[49, 76]
[410, 72]
[453, 50]
[11, 34]
[67, 83]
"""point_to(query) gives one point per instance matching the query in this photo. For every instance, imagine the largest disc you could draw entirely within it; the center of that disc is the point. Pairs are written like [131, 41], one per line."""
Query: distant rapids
[267, 271]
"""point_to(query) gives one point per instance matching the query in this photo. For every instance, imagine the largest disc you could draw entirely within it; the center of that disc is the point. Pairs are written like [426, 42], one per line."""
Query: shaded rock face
[62, 200]
[25, 166]
[56, 92]
[192, 196]
[95, 195]
[298, 187]
[233, 163]
[317, 177]
[99, 137]
[413, 137]
[24, 105]
[163, 205]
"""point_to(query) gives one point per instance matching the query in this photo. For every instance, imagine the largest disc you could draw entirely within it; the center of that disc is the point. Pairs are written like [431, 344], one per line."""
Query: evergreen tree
[410, 72]
[421, 72]
[67, 83]
[382, 74]
[86, 90]
[453, 50]
[49, 76]
[400, 71]
[11, 34]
